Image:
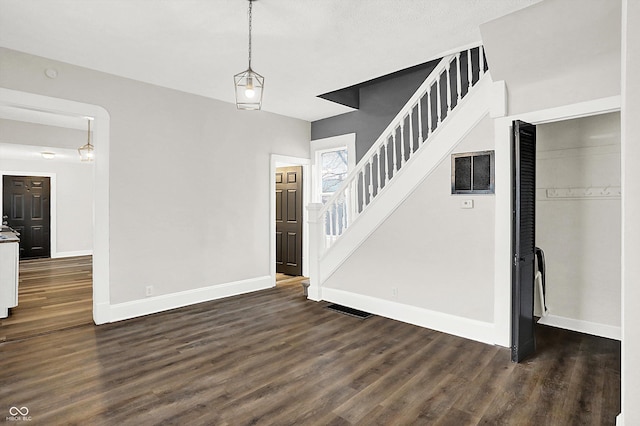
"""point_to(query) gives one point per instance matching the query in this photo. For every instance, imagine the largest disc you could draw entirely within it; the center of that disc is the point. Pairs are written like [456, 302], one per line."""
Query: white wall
[23, 133]
[581, 234]
[630, 214]
[74, 201]
[437, 255]
[555, 52]
[189, 178]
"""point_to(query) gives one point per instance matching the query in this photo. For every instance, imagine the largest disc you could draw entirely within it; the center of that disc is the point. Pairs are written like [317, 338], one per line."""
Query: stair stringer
[440, 144]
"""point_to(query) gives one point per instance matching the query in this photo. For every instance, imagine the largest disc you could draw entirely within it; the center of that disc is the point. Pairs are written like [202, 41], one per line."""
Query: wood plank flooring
[275, 358]
[54, 294]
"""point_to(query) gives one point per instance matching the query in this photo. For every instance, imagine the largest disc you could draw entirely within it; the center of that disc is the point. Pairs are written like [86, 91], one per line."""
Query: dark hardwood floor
[54, 294]
[275, 358]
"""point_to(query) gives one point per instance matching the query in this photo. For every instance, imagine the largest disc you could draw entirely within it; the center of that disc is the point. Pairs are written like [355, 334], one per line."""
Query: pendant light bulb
[249, 91]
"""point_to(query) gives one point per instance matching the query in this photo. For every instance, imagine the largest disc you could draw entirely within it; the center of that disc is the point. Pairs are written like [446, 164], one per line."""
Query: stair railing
[429, 107]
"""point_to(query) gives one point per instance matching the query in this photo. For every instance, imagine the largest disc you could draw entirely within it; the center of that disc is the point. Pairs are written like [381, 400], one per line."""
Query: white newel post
[316, 234]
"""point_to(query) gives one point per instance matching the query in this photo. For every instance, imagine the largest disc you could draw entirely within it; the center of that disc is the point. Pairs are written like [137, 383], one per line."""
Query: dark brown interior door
[289, 220]
[523, 341]
[26, 203]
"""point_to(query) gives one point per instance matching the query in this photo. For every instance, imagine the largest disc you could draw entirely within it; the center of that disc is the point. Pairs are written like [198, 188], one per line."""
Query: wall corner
[498, 99]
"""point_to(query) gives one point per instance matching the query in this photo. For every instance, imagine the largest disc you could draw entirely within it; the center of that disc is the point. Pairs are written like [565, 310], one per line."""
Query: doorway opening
[49, 201]
[304, 164]
[38, 104]
[289, 220]
[577, 222]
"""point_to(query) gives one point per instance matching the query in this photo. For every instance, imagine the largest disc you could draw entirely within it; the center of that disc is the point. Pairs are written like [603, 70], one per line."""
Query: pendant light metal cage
[249, 84]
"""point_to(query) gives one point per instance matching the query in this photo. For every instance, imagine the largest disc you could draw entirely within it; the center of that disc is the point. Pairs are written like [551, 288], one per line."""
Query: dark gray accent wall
[380, 100]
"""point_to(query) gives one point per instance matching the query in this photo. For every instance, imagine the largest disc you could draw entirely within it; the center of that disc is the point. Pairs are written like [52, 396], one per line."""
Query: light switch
[466, 204]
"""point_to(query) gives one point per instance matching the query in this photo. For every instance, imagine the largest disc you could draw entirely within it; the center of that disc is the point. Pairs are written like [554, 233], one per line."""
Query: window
[472, 173]
[334, 167]
[328, 158]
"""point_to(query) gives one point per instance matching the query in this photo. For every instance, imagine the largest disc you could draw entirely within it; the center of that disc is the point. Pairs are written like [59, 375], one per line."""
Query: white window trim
[320, 146]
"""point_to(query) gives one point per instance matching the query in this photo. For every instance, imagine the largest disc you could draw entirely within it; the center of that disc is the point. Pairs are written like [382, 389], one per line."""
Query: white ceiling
[303, 48]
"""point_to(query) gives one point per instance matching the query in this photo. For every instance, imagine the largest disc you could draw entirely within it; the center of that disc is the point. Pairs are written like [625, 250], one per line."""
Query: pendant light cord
[250, 16]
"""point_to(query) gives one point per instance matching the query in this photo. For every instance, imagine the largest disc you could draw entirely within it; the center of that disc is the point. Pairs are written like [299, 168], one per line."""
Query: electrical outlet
[149, 290]
[394, 291]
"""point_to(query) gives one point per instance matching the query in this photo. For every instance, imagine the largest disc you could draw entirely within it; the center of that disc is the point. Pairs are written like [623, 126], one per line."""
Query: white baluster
[356, 199]
[438, 98]
[362, 193]
[469, 69]
[353, 206]
[420, 140]
[459, 90]
[448, 88]
[481, 62]
[429, 112]
[370, 178]
[344, 211]
[346, 214]
[332, 228]
[379, 171]
[336, 218]
[393, 147]
[386, 161]
[412, 147]
[402, 159]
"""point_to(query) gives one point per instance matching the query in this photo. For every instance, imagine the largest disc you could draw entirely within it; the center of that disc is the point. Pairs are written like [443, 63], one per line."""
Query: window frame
[322, 146]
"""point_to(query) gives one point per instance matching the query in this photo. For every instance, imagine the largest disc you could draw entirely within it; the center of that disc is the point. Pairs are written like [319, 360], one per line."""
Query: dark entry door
[26, 203]
[289, 220]
[524, 237]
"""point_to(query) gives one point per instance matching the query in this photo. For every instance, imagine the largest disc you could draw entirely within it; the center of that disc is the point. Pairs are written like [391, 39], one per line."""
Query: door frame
[276, 161]
[503, 206]
[53, 232]
[15, 98]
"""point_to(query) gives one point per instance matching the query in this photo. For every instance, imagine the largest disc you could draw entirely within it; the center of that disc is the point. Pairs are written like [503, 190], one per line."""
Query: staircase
[443, 109]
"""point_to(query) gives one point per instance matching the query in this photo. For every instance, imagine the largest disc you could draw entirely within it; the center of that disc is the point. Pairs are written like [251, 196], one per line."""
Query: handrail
[347, 203]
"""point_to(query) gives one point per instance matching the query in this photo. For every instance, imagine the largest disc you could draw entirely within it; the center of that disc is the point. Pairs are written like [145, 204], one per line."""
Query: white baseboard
[100, 313]
[314, 293]
[594, 328]
[62, 254]
[619, 420]
[165, 302]
[458, 326]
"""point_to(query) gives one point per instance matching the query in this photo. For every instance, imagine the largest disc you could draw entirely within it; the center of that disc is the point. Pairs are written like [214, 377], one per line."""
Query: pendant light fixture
[248, 83]
[86, 151]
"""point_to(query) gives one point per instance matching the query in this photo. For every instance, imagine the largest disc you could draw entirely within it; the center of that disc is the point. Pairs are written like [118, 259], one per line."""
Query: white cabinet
[8, 277]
